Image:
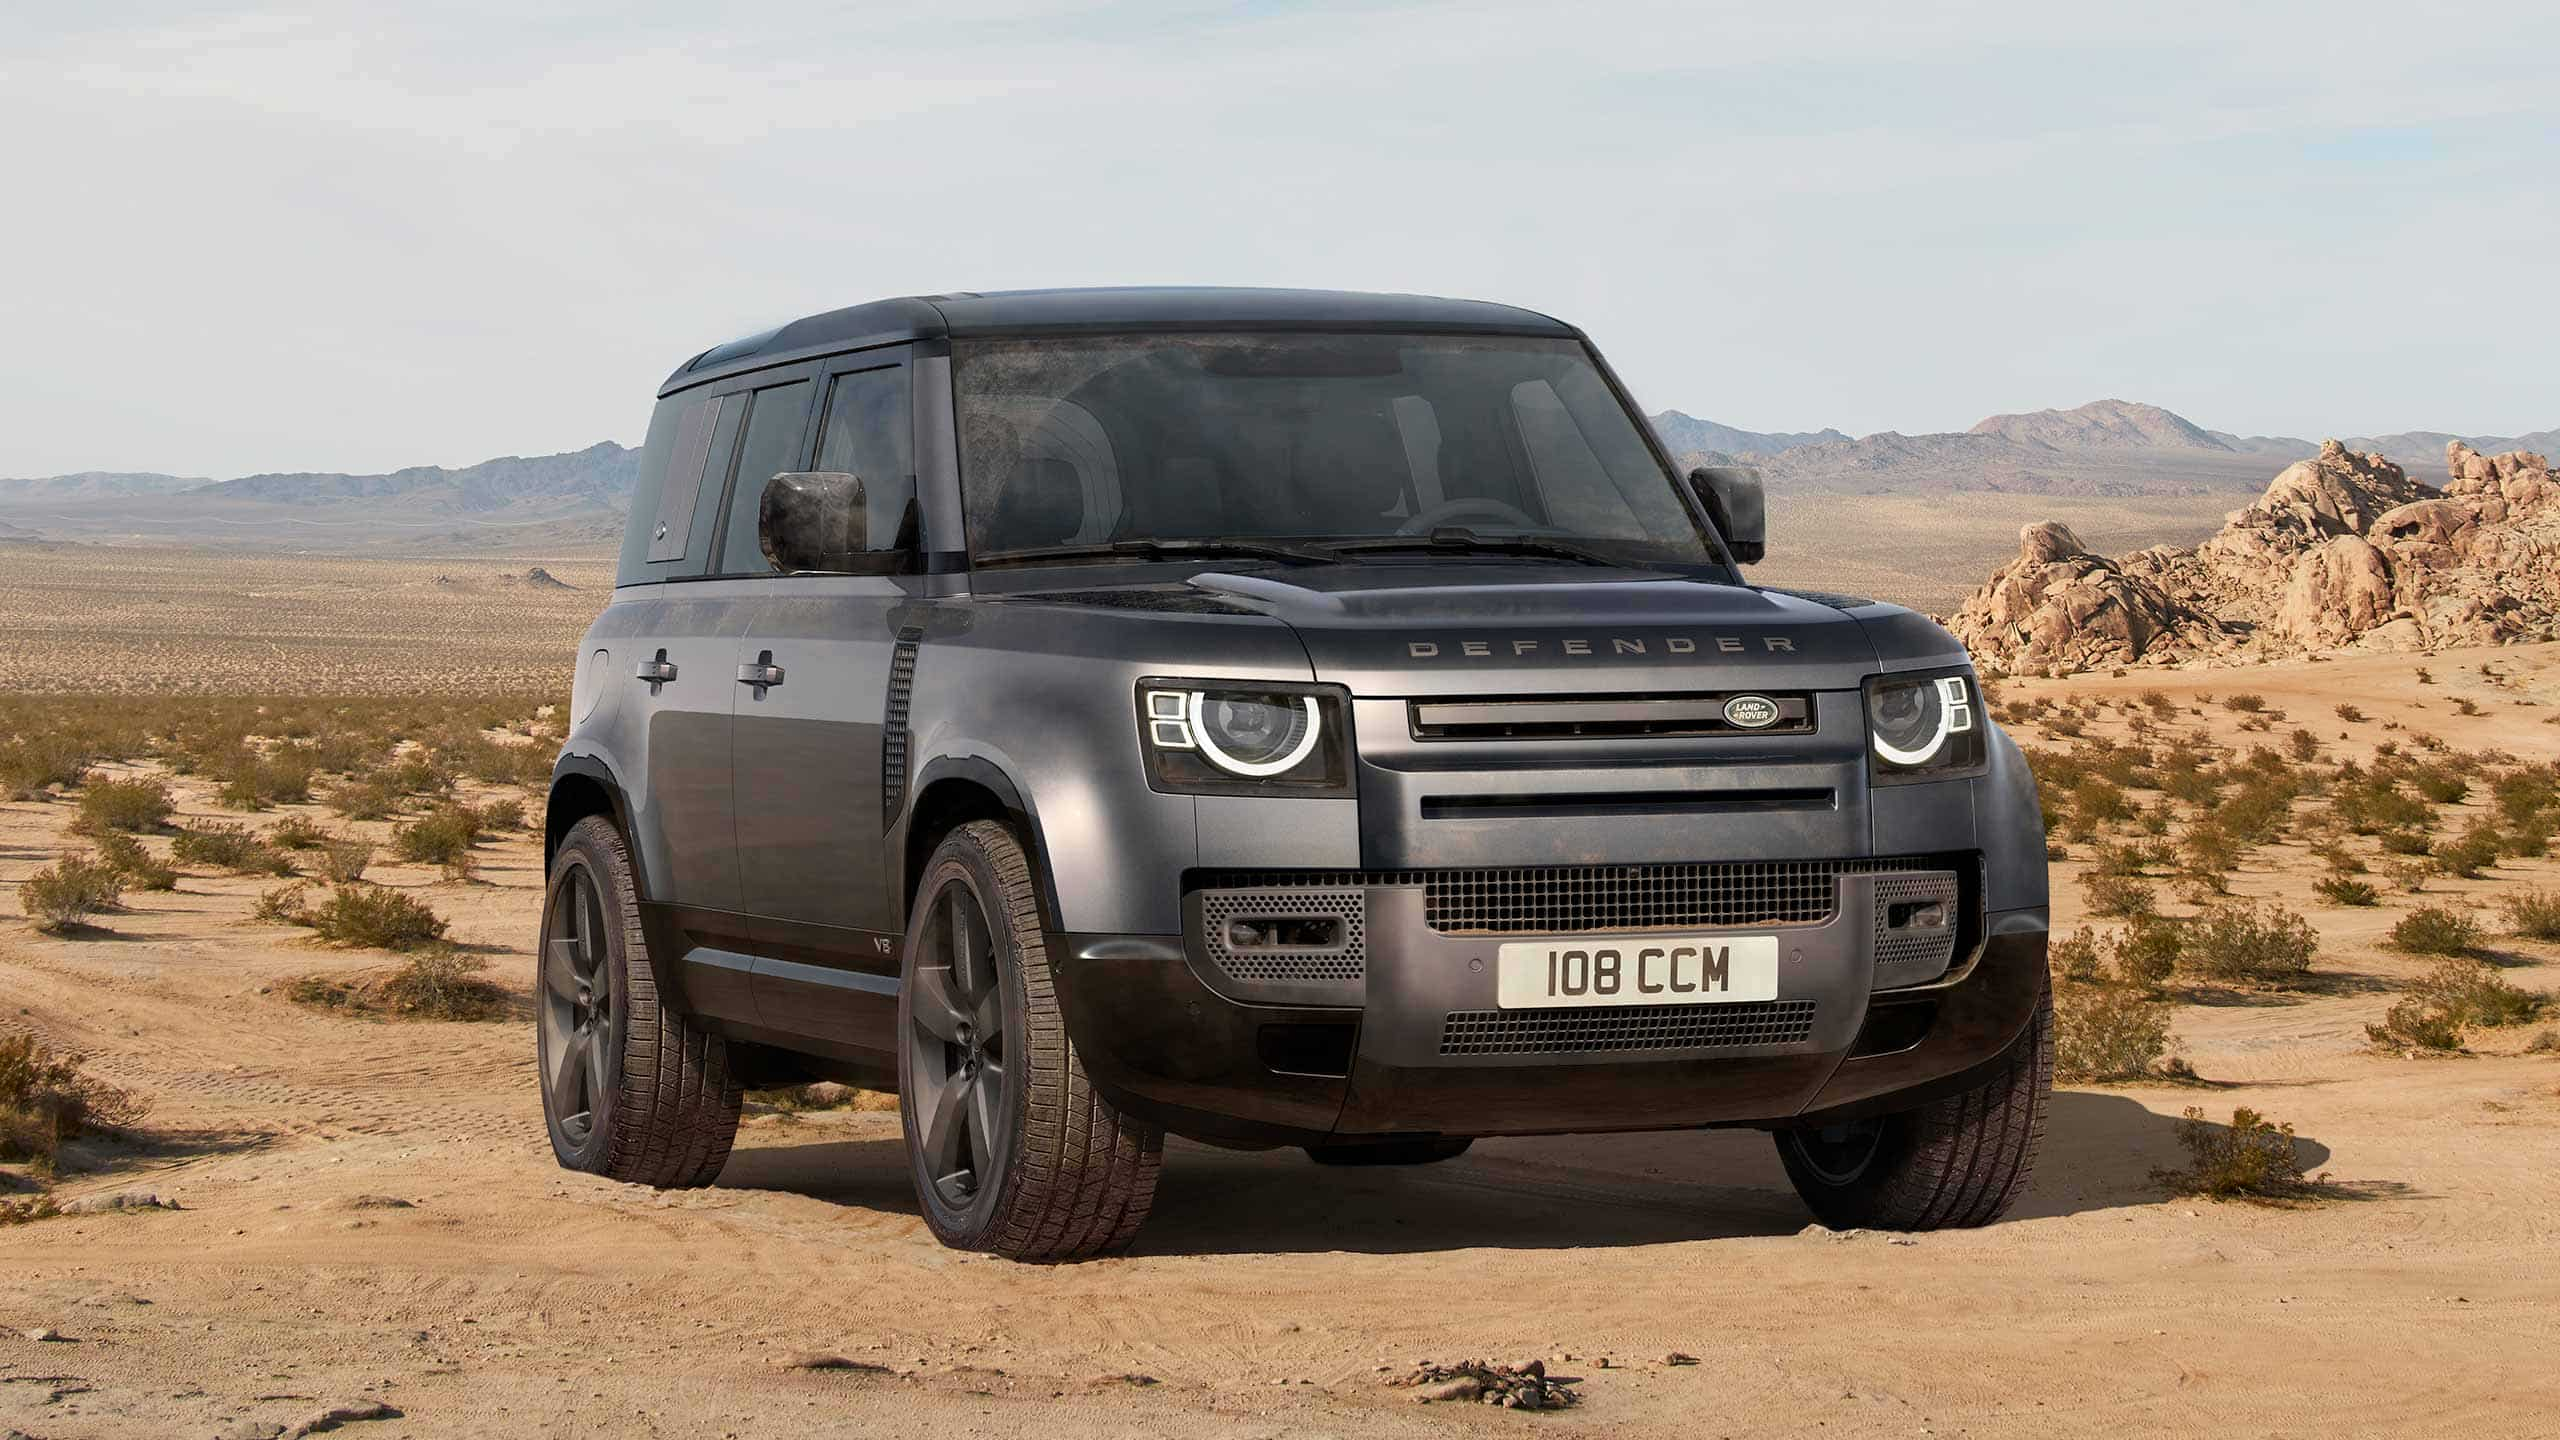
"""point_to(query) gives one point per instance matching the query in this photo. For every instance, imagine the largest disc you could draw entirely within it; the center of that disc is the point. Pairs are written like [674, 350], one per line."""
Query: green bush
[443, 837]
[140, 868]
[2251, 1158]
[2407, 842]
[372, 916]
[2146, 955]
[70, 890]
[30, 765]
[2468, 856]
[229, 847]
[2475, 994]
[2434, 930]
[2412, 1024]
[2244, 704]
[254, 782]
[2535, 914]
[298, 832]
[502, 815]
[284, 905]
[442, 985]
[365, 799]
[2339, 890]
[107, 806]
[2245, 943]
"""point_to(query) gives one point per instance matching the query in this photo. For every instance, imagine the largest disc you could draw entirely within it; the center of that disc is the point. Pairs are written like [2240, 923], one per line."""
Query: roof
[1176, 307]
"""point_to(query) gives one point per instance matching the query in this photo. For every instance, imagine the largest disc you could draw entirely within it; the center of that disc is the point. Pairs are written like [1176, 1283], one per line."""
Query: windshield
[1481, 445]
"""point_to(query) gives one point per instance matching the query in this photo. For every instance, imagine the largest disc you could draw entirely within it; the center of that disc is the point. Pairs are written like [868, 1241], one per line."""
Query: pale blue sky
[356, 237]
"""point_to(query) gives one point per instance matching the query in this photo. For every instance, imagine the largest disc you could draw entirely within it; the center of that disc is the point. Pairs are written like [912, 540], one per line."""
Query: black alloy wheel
[581, 1024]
[960, 1071]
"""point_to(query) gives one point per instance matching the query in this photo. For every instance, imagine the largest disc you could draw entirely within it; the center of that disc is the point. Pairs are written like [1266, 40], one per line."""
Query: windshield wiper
[1160, 550]
[1458, 540]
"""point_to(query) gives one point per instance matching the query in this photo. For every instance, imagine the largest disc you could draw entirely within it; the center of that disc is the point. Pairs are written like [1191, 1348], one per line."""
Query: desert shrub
[284, 905]
[2535, 914]
[2341, 890]
[501, 815]
[418, 775]
[2244, 703]
[2106, 1032]
[444, 836]
[343, 861]
[2465, 705]
[46, 1098]
[229, 847]
[32, 764]
[372, 916]
[2528, 841]
[2246, 943]
[70, 890]
[2524, 795]
[371, 799]
[2146, 955]
[2409, 875]
[2120, 895]
[2376, 804]
[255, 782]
[2350, 714]
[140, 868]
[2128, 860]
[2474, 993]
[2099, 801]
[2412, 1024]
[298, 832]
[2467, 857]
[126, 805]
[2406, 842]
[2546, 1042]
[441, 985]
[2440, 784]
[2303, 744]
[2434, 930]
[2251, 1158]
[2082, 956]
[2341, 860]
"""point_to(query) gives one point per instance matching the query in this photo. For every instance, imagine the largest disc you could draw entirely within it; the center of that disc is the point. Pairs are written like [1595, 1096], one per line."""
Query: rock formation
[2343, 550]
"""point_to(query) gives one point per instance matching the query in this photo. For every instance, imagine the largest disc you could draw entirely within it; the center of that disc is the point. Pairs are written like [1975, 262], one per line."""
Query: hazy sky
[353, 238]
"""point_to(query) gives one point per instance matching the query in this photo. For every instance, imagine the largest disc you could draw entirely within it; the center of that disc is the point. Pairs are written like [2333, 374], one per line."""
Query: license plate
[1637, 970]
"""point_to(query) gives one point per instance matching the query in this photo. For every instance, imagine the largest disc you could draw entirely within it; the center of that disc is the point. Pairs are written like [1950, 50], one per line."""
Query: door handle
[656, 672]
[762, 673]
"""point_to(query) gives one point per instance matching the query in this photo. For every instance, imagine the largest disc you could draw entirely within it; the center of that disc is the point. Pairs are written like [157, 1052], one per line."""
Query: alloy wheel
[579, 1023]
[960, 1064]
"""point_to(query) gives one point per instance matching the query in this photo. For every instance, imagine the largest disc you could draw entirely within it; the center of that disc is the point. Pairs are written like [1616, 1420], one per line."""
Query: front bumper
[1395, 1030]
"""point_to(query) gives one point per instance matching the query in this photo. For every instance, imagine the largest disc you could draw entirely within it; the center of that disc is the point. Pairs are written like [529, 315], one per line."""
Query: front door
[812, 788]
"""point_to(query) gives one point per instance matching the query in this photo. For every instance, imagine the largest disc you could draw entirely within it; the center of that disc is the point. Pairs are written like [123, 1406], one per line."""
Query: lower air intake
[1575, 1030]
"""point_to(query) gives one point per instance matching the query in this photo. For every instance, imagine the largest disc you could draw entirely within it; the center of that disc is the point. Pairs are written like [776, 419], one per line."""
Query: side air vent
[1575, 1030]
[893, 729]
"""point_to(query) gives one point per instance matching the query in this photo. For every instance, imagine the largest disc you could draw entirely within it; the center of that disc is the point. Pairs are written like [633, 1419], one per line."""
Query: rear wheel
[1012, 1150]
[1959, 1161]
[1392, 1152]
[630, 1089]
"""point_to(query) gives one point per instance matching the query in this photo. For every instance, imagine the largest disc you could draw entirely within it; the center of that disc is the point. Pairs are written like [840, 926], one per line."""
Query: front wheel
[1955, 1162]
[1011, 1148]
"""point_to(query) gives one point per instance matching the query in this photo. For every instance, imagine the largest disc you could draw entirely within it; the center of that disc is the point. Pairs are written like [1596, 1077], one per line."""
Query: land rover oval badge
[1751, 712]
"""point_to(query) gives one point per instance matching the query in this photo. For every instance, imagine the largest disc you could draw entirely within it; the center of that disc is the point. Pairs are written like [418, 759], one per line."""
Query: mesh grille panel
[1345, 962]
[1637, 897]
[1635, 1027]
[1915, 946]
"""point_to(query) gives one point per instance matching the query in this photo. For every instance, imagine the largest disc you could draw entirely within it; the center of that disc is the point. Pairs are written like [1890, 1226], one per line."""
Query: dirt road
[371, 1213]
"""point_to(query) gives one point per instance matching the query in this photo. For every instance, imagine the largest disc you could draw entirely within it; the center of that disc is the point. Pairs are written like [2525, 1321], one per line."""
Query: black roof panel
[1028, 312]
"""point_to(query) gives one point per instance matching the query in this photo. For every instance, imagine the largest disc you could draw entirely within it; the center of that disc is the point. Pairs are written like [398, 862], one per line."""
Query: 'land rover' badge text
[1751, 712]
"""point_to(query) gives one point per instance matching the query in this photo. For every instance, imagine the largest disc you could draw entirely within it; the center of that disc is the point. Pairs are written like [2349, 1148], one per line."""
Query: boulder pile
[2342, 551]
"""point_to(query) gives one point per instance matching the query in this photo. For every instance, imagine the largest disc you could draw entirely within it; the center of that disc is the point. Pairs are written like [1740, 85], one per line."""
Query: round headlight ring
[1202, 736]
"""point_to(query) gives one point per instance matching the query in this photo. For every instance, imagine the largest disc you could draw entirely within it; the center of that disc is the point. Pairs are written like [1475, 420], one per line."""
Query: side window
[664, 497]
[869, 433]
[775, 418]
[688, 457]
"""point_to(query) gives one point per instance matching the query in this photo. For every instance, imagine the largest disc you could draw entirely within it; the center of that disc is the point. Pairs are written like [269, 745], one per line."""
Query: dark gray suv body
[1276, 717]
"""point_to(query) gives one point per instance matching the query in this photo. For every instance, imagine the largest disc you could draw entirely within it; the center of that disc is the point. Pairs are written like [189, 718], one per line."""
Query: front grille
[1342, 963]
[1585, 899]
[1564, 901]
[1638, 1027]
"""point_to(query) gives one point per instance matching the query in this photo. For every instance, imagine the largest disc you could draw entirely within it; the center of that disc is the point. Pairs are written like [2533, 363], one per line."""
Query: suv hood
[1505, 629]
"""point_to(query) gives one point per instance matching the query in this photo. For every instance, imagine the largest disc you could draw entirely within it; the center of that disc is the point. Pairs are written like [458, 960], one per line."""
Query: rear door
[814, 775]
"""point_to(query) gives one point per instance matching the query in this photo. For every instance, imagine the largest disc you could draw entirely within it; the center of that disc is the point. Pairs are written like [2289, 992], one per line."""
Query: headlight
[1923, 727]
[1244, 739]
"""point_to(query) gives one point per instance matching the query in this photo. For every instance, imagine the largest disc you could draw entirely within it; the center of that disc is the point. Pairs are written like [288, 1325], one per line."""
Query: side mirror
[812, 520]
[1740, 508]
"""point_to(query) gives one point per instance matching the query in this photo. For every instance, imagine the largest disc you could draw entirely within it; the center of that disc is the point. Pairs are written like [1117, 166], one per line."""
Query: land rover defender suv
[1276, 718]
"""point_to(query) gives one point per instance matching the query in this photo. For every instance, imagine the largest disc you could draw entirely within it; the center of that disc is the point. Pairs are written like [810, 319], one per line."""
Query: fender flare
[664, 944]
[1010, 793]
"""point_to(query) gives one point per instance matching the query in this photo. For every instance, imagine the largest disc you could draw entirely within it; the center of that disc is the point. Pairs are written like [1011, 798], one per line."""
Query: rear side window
[666, 497]
[776, 419]
[869, 433]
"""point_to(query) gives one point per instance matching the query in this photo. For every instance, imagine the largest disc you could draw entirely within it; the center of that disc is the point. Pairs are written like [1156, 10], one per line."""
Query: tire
[1956, 1162]
[630, 1089]
[1393, 1152]
[1012, 1150]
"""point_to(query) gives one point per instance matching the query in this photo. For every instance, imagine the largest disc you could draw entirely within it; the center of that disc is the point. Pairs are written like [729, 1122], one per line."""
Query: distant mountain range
[2106, 447]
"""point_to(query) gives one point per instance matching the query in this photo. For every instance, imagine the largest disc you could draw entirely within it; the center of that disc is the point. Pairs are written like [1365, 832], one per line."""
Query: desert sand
[371, 1212]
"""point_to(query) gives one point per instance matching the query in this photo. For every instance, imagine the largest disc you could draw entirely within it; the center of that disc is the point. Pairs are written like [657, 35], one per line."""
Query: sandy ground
[502, 1296]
